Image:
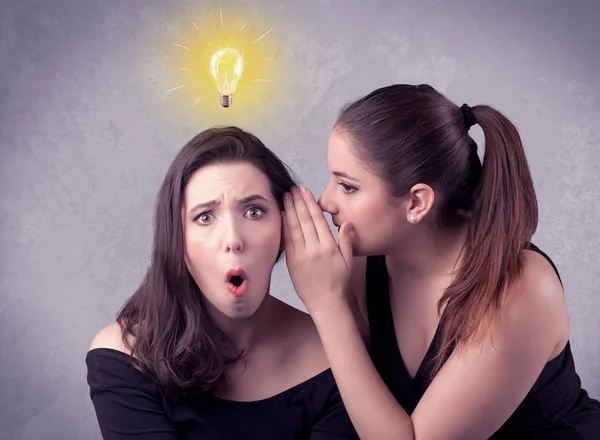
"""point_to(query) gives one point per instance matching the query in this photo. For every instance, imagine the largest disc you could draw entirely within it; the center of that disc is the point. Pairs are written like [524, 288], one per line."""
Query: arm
[127, 404]
[478, 388]
[321, 272]
[357, 299]
[371, 406]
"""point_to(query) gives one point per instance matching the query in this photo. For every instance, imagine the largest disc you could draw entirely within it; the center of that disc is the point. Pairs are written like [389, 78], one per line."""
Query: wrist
[326, 310]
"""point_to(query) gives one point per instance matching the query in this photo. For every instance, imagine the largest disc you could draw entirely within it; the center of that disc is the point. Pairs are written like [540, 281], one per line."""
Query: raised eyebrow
[252, 198]
[213, 203]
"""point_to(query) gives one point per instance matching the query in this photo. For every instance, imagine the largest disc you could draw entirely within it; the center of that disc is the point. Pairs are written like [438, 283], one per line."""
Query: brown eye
[254, 213]
[348, 189]
[204, 218]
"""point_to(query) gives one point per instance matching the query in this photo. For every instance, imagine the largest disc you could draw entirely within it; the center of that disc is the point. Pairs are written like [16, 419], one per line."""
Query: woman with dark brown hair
[464, 320]
[202, 350]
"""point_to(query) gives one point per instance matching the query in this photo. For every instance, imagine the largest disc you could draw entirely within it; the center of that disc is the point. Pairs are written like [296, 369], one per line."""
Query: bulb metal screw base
[225, 100]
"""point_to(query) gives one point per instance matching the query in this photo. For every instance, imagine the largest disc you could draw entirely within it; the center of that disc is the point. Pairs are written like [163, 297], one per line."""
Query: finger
[288, 244]
[306, 221]
[346, 236]
[321, 226]
[292, 223]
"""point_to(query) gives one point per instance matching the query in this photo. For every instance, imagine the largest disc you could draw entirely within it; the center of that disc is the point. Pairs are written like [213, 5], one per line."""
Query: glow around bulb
[226, 68]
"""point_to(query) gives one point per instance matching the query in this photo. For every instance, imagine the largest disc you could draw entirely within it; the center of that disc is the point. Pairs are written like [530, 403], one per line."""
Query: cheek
[200, 250]
[265, 239]
[374, 221]
[363, 210]
[195, 240]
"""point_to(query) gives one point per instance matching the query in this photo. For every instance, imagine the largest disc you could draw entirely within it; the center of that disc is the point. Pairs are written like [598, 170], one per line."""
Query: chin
[242, 307]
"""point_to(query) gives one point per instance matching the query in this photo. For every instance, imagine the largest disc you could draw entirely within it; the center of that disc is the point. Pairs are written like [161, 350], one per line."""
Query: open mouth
[236, 281]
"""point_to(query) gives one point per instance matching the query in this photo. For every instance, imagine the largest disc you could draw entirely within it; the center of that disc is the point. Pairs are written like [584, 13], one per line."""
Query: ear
[420, 202]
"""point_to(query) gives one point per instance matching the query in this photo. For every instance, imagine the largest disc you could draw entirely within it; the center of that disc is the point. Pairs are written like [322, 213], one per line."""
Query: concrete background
[88, 128]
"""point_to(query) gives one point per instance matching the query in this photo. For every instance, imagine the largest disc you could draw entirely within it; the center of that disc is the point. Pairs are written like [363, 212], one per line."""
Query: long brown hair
[173, 338]
[411, 134]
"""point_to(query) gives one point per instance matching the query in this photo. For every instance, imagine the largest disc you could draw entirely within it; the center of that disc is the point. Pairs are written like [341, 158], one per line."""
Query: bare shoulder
[539, 286]
[109, 337]
[536, 306]
[531, 326]
[300, 340]
[297, 326]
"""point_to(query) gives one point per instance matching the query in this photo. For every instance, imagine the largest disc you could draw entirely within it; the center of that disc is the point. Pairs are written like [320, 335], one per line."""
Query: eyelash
[262, 211]
[348, 189]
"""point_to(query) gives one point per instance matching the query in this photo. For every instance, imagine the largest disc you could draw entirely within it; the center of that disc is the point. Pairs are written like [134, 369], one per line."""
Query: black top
[556, 407]
[128, 406]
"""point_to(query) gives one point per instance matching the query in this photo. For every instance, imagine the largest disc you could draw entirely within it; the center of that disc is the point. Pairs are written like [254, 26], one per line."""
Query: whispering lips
[236, 281]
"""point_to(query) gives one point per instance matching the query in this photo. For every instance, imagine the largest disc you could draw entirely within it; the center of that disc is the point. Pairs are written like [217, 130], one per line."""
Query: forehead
[344, 161]
[238, 178]
[342, 156]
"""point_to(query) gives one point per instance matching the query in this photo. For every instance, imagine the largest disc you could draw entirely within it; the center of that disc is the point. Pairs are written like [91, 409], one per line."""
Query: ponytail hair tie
[468, 116]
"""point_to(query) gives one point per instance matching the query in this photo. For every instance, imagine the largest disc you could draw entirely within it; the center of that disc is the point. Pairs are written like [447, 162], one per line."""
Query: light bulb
[226, 67]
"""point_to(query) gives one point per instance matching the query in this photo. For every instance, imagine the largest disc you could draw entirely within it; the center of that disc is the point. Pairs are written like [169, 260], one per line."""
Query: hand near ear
[318, 266]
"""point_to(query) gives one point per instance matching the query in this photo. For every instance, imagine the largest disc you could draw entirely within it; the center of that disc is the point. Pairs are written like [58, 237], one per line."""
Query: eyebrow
[344, 175]
[213, 203]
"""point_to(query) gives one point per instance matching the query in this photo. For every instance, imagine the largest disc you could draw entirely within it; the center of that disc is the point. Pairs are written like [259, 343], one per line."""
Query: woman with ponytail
[440, 318]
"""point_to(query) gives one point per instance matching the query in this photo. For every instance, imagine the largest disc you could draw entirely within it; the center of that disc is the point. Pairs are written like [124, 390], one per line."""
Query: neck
[425, 255]
[244, 333]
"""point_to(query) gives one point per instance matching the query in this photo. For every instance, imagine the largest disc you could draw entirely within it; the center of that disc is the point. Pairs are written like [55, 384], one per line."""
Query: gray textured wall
[87, 130]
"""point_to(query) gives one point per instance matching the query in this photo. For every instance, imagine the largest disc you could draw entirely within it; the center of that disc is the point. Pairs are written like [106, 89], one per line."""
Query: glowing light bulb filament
[226, 68]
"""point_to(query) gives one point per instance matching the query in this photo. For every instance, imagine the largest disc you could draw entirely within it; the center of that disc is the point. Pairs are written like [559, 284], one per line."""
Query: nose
[233, 239]
[326, 202]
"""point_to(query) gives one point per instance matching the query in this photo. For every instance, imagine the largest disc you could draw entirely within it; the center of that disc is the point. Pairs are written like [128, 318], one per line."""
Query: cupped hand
[318, 266]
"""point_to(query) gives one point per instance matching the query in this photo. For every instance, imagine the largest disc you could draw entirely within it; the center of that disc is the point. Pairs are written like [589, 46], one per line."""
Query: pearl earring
[413, 218]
